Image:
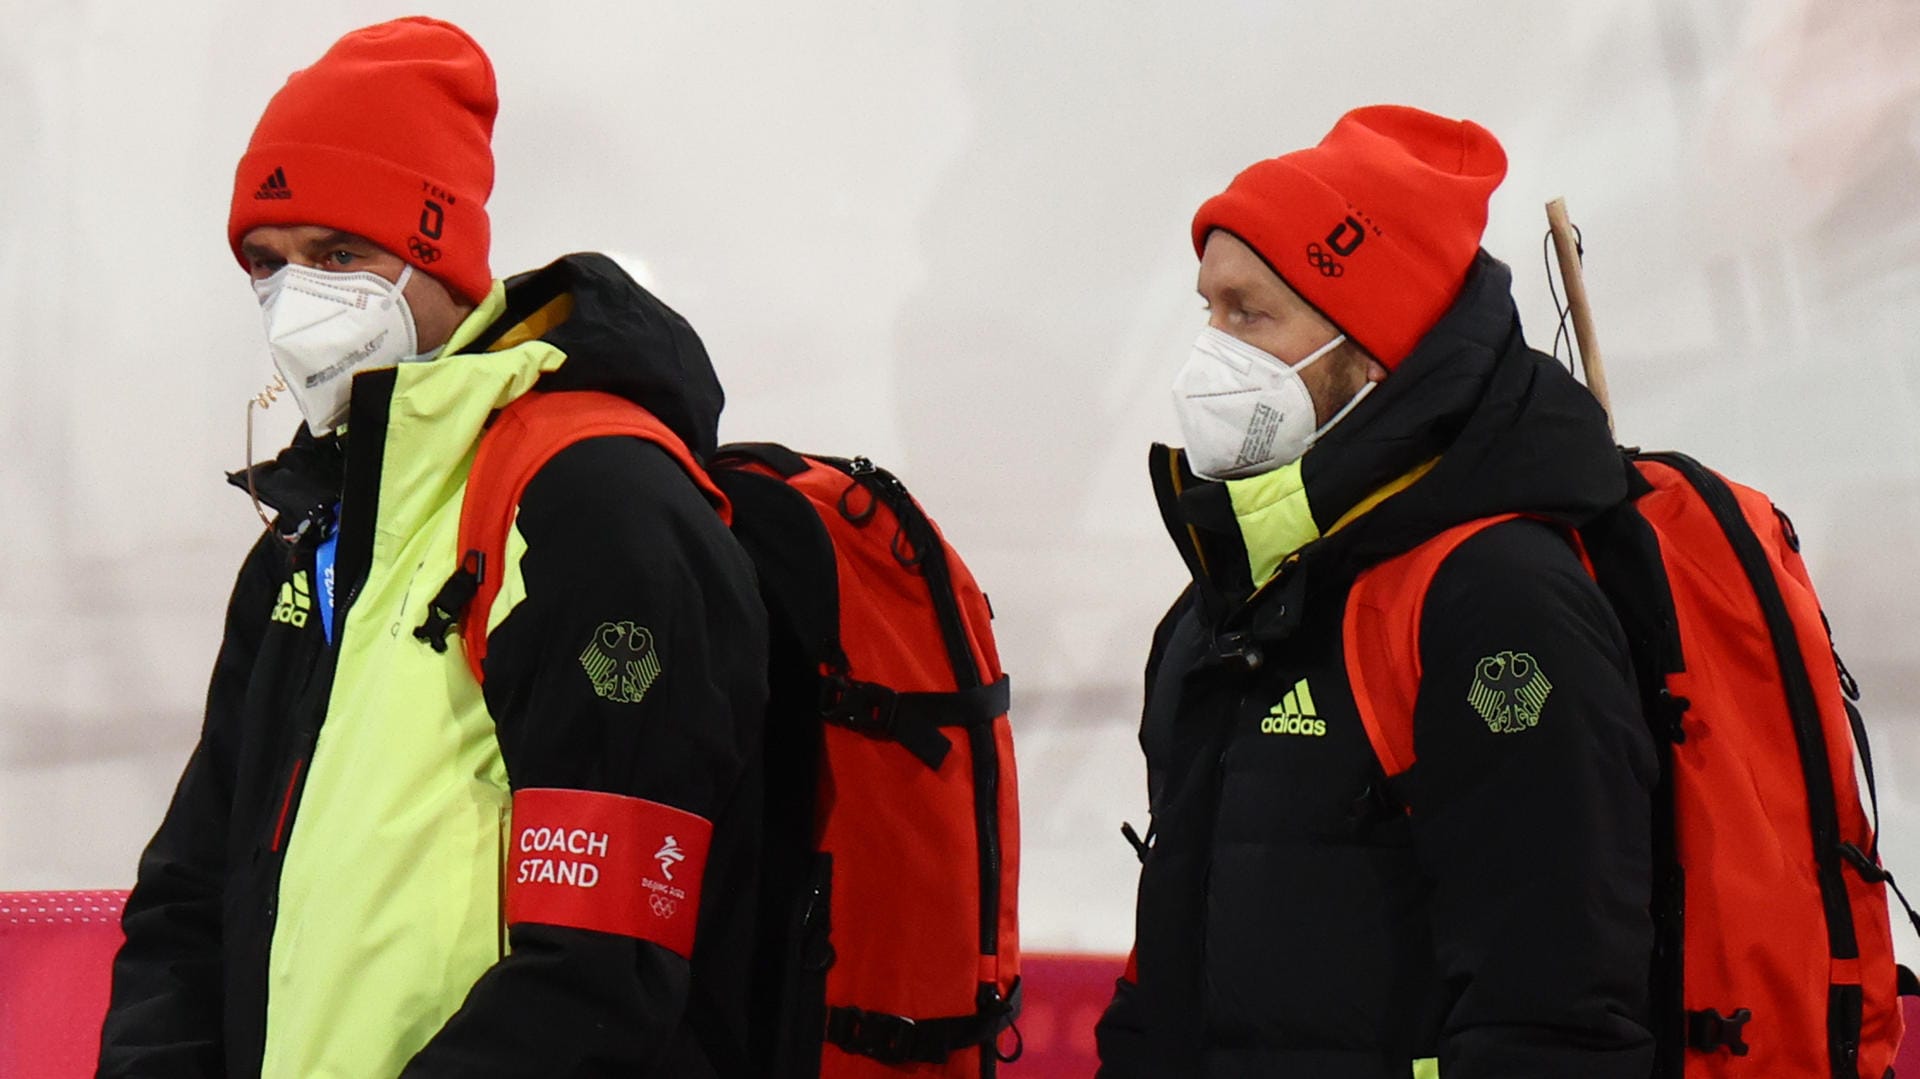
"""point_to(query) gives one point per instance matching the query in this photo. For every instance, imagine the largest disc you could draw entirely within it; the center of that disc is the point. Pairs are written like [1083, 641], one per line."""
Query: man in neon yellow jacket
[329, 892]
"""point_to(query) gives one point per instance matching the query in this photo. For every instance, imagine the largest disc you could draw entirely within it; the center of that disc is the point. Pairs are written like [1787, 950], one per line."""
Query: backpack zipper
[928, 552]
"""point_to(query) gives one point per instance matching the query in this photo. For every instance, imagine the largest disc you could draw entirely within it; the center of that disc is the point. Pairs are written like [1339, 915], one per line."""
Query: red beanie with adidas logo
[389, 136]
[1376, 226]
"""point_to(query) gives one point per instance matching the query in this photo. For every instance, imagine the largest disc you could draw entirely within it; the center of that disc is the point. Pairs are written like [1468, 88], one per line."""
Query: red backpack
[1773, 950]
[888, 941]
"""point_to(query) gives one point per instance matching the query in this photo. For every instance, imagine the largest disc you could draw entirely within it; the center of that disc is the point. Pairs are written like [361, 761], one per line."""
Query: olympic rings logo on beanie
[1375, 226]
[388, 136]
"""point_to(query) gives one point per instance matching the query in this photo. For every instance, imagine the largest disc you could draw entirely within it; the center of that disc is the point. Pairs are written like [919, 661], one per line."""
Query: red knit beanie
[1376, 226]
[388, 136]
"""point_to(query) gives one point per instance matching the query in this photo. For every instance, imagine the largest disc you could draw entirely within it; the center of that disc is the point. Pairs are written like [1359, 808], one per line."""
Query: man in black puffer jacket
[1304, 910]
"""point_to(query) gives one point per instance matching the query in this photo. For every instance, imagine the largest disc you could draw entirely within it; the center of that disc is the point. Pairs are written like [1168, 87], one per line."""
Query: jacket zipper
[286, 803]
[361, 488]
[360, 494]
[1219, 779]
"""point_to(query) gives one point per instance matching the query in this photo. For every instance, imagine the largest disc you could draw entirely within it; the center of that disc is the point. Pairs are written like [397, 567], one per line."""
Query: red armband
[607, 862]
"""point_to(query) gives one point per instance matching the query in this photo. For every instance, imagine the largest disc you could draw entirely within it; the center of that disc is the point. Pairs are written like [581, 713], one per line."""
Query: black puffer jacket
[1300, 914]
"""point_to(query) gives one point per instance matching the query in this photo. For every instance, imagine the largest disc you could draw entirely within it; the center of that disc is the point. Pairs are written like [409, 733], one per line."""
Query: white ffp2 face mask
[1245, 411]
[323, 327]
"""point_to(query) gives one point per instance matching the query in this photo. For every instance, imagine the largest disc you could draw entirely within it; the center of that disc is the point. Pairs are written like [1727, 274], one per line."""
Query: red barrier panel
[1064, 996]
[56, 954]
[1061, 998]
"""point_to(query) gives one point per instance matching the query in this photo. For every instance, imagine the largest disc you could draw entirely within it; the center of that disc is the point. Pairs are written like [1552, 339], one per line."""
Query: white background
[952, 235]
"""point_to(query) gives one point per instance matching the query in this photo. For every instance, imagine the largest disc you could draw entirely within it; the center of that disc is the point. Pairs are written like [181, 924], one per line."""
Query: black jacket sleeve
[1121, 1033]
[1531, 805]
[164, 1018]
[615, 533]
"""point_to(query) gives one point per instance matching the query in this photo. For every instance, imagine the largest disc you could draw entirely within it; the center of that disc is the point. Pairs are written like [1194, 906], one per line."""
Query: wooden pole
[1567, 250]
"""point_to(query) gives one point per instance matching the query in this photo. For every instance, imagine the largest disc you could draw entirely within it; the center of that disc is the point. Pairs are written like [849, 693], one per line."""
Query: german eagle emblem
[621, 661]
[1509, 689]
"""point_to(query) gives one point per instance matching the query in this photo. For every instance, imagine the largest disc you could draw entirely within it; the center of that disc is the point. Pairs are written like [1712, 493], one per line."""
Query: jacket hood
[1511, 429]
[618, 338]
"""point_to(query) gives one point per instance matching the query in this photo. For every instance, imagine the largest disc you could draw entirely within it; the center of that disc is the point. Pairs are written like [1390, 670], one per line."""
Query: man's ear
[1376, 371]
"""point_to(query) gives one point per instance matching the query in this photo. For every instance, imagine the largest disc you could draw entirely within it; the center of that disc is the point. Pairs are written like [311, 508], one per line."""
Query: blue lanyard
[323, 569]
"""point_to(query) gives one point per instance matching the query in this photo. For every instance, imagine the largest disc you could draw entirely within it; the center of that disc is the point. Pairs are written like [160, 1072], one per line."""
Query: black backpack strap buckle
[879, 1035]
[866, 707]
[1871, 871]
[896, 1039]
[449, 605]
[879, 712]
[1708, 1030]
[1669, 715]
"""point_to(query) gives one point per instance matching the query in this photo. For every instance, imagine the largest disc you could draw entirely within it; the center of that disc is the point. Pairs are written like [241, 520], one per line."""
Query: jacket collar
[1472, 424]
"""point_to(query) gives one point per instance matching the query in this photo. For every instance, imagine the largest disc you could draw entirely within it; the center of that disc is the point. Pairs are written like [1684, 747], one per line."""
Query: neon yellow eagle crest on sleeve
[621, 661]
[1509, 690]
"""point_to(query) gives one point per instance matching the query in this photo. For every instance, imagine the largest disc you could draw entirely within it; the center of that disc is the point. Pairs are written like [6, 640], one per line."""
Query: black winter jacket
[1300, 914]
[613, 529]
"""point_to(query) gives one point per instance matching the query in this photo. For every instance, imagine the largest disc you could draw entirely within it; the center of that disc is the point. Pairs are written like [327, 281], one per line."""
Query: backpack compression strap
[523, 437]
[1381, 637]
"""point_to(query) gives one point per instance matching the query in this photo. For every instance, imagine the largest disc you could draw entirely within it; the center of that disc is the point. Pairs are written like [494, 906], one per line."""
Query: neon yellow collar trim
[478, 319]
[1276, 518]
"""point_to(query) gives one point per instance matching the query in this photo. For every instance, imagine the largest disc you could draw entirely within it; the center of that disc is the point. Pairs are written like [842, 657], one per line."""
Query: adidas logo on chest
[294, 602]
[1294, 714]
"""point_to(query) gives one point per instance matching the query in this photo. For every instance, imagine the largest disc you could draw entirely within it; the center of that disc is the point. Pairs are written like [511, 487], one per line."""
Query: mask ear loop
[251, 493]
[264, 399]
[1352, 403]
[1313, 357]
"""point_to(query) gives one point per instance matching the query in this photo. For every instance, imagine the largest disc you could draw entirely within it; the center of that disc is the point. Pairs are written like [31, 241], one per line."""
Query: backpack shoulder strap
[523, 437]
[791, 549]
[1381, 637]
